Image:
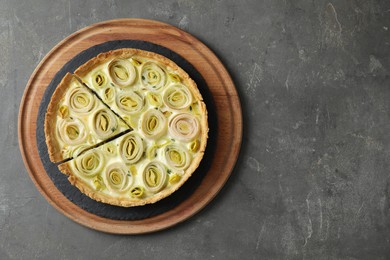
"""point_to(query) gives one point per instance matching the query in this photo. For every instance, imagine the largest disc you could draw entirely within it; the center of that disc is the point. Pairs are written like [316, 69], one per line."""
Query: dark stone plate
[105, 210]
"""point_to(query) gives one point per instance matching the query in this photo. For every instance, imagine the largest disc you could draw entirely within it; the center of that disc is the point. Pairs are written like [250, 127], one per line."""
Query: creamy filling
[150, 158]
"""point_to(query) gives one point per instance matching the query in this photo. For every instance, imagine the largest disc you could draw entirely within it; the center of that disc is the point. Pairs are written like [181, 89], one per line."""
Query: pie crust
[168, 128]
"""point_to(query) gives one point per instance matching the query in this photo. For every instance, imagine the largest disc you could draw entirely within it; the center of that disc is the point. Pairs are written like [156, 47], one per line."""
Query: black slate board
[113, 212]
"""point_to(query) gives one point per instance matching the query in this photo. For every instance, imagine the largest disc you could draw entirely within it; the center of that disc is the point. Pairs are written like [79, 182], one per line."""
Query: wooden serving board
[220, 85]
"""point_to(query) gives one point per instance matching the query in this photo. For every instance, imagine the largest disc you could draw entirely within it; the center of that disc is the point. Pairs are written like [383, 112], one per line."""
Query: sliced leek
[135, 61]
[109, 149]
[99, 79]
[122, 72]
[108, 95]
[153, 124]
[63, 111]
[174, 178]
[154, 99]
[177, 157]
[137, 192]
[131, 148]
[194, 146]
[174, 77]
[130, 102]
[133, 170]
[152, 76]
[151, 152]
[177, 97]
[81, 100]
[89, 164]
[184, 127]
[98, 183]
[154, 176]
[118, 178]
[104, 123]
[72, 131]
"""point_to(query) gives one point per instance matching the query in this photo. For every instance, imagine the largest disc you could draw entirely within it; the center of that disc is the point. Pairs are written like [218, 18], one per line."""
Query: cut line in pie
[158, 121]
[77, 120]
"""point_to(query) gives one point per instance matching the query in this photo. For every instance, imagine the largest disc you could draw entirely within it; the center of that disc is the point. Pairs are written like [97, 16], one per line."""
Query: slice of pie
[168, 121]
[77, 120]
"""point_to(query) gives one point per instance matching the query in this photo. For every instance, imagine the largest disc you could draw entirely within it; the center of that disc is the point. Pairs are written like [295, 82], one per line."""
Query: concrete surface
[313, 178]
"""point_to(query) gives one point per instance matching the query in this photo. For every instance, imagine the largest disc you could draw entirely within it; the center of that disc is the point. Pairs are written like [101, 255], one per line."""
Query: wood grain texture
[203, 59]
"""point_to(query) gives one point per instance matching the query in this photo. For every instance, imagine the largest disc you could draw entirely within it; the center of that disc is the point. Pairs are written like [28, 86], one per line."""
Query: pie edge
[102, 58]
[53, 146]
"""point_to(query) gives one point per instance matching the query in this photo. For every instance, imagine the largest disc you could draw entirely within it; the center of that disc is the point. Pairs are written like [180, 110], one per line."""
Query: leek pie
[132, 124]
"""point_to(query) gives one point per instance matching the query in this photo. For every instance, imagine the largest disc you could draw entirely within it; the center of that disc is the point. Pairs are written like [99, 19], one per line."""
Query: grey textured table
[313, 177]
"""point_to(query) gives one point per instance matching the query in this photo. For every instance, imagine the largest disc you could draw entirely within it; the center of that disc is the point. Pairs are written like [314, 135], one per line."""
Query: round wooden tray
[220, 85]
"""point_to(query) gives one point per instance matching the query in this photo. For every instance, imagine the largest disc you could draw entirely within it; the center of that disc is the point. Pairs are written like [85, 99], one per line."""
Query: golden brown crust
[87, 190]
[53, 146]
[103, 58]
